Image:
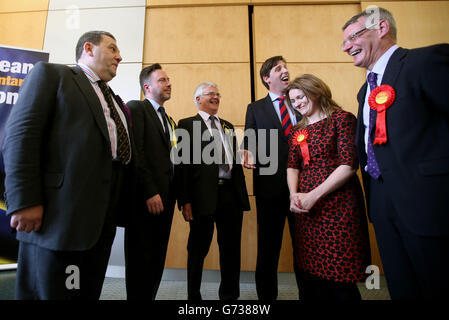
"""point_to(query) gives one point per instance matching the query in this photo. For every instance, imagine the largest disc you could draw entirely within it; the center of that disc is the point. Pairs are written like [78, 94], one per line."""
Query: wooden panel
[25, 29]
[343, 79]
[273, 2]
[301, 33]
[177, 246]
[233, 80]
[23, 5]
[180, 35]
[419, 23]
[166, 3]
[249, 238]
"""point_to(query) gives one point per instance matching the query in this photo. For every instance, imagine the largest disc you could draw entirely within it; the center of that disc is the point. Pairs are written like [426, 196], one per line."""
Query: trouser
[415, 266]
[271, 214]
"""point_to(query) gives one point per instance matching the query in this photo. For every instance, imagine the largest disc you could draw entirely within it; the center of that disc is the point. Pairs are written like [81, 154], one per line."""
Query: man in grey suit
[67, 151]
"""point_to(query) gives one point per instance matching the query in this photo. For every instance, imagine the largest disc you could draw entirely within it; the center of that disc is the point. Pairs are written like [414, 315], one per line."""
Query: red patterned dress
[332, 239]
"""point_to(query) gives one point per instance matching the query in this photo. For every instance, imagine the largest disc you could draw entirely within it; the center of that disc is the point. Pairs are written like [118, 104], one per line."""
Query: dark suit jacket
[262, 115]
[154, 168]
[415, 161]
[57, 154]
[200, 181]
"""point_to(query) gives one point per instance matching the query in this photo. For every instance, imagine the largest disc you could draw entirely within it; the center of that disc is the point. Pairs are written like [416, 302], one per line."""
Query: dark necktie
[123, 147]
[164, 121]
[372, 165]
[285, 117]
[223, 165]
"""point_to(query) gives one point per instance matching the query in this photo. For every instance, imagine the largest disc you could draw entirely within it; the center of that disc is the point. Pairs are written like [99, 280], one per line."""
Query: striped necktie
[285, 117]
[123, 147]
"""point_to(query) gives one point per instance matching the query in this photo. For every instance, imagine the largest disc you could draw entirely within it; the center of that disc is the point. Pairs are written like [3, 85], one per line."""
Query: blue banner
[15, 64]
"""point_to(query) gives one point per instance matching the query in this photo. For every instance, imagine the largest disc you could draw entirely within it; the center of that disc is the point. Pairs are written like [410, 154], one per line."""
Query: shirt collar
[381, 64]
[206, 116]
[273, 96]
[154, 104]
[90, 74]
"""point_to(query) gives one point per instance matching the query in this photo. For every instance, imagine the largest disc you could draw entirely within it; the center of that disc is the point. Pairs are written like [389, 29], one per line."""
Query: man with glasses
[403, 146]
[213, 192]
[147, 235]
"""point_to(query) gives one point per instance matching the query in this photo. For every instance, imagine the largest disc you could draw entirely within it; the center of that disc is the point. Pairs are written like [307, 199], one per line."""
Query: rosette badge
[300, 138]
[380, 99]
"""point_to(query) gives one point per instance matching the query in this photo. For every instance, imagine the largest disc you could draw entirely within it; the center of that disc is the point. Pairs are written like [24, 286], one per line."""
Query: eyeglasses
[353, 37]
[212, 94]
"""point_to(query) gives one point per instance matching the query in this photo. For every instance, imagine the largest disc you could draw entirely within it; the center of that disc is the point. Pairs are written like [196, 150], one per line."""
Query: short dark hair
[90, 36]
[267, 66]
[146, 73]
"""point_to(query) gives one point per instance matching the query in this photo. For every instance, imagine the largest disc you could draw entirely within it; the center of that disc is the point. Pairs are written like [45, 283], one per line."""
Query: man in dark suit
[67, 149]
[147, 235]
[212, 192]
[405, 160]
[270, 179]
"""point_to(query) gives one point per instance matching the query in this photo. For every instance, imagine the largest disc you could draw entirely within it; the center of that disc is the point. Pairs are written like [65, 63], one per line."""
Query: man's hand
[154, 204]
[248, 159]
[187, 212]
[28, 219]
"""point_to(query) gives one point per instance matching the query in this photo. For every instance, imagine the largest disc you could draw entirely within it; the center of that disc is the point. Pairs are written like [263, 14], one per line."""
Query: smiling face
[365, 48]
[304, 105]
[209, 100]
[103, 58]
[278, 79]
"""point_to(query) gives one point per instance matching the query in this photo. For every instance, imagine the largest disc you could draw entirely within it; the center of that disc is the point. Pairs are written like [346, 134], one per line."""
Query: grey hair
[372, 11]
[200, 88]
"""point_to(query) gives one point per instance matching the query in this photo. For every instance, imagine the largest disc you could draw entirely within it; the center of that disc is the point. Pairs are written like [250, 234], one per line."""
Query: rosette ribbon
[380, 99]
[300, 138]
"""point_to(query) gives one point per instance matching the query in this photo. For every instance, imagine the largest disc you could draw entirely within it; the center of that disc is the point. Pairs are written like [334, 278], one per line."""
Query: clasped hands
[302, 202]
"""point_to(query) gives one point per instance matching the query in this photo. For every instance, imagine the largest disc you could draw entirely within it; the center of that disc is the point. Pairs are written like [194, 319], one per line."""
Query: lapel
[155, 119]
[269, 110]
[360, 127]
[204, 131]
[394, 67]
[92, 100]
[271, 114]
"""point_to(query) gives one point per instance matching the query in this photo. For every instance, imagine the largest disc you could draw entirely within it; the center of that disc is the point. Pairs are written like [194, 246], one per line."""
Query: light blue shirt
[156, 107]
[379, 69]
[273, 97]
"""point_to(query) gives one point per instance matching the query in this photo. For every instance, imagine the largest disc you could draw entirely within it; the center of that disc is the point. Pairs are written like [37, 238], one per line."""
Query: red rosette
[380, 99]
[300, 138]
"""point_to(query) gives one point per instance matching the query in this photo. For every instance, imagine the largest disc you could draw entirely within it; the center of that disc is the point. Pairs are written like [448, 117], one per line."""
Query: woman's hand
[294, 204]
[306, 201]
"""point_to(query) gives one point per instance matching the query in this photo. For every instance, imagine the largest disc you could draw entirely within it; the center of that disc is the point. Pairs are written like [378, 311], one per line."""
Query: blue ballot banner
[15, 64]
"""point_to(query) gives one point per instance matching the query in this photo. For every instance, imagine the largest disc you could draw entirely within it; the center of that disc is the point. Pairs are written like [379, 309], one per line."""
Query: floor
[114, 288]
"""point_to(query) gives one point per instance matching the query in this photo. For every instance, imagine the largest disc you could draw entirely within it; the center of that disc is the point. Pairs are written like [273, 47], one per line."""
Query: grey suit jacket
[57, 154]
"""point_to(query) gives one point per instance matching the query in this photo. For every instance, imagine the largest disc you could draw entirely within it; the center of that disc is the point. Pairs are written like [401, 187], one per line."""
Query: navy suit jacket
[57, 154]
[261, 115]
[415, 160]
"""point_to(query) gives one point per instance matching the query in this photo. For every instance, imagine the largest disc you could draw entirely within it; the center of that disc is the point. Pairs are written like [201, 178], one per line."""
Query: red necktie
[285, 117]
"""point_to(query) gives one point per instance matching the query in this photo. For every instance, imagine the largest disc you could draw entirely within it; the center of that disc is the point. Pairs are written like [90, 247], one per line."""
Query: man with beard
[147, 235]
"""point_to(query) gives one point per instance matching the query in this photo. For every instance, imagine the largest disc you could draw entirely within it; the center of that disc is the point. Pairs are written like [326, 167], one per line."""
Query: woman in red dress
[331, 238]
